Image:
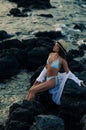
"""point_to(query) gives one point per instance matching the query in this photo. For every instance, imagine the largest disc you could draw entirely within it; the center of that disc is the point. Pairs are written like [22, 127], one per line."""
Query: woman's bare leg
[34, 85]
[40, 88]
[28, 95]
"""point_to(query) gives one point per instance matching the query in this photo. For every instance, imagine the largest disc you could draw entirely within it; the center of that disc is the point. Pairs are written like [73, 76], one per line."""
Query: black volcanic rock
[29, 54]
[1, 126]
[79, 26]
[46, 15]
[37, 57]
[82, 47]
[8, 67]
[43, 122]
[13, 43]
[23, 115]
[52, 34]
[36, 4]
[73, 53]
[4, 35]
[17, 125]
[16, 12]
[75, 66]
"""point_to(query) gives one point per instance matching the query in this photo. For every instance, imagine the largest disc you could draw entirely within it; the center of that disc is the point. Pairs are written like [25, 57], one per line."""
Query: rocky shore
[30, 55]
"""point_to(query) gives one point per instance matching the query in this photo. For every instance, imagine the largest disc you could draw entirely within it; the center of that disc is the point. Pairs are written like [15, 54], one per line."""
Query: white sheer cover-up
[58, 89]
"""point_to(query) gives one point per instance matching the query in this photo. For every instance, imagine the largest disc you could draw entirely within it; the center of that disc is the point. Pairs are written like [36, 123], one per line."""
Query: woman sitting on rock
[55, 81]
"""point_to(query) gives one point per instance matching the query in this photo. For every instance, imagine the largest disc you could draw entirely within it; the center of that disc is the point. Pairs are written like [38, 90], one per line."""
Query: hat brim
[63, 49]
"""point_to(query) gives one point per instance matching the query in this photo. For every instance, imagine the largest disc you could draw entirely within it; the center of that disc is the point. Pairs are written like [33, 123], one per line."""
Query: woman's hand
[36, 82]
[83, 84]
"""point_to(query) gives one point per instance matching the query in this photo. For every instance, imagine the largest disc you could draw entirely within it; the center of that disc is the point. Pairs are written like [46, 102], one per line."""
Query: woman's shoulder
[52, 53]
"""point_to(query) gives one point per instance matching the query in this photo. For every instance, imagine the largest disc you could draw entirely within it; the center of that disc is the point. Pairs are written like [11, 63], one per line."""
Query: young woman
[55, 61]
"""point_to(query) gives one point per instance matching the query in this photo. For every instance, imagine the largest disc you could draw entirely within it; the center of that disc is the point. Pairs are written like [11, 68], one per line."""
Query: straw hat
[63, 45]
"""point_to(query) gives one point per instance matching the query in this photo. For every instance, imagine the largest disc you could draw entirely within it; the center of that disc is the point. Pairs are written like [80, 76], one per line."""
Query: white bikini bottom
[55, 77]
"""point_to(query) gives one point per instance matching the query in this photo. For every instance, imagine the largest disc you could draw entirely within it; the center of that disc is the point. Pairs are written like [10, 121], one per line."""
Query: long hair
[62, 53]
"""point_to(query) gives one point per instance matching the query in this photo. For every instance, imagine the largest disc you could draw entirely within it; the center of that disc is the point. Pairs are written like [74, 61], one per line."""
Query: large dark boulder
[1, 126]
[51, 34]
[43, 122]
[8, 67]
[16, 12]
[34, 106]
[38, 42]
[73, 53]
[21, 116]
[82, 47]
[20, 54]
[79, 26]
[83, 64]
[75, 66]
[83, 122]
[46, 15]
[17, 125]
[38, 4]
[13, 43]
[4, 35]
[37, 57]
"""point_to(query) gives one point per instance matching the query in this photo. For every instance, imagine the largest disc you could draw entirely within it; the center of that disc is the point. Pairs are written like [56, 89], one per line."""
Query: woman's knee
[31, 90]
